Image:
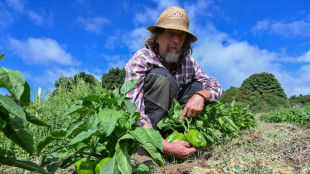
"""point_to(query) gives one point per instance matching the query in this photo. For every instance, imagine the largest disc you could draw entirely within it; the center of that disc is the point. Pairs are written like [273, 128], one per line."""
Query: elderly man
[167, 71]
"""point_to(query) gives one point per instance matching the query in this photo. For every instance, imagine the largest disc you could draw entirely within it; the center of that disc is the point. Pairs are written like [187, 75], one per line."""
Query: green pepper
[101, 163]
[84, 166]
[196, 139]
[175, 136]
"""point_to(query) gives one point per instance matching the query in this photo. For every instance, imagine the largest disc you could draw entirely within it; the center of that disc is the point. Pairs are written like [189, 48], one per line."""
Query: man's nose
[176, 39]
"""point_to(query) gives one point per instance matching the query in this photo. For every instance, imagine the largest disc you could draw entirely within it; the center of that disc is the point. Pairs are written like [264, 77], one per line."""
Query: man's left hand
[195, 105]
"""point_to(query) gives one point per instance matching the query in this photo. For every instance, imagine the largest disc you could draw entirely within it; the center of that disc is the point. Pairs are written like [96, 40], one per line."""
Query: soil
[270, 148]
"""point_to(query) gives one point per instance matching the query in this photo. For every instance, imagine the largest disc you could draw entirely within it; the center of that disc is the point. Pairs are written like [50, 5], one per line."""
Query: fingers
[183, 113]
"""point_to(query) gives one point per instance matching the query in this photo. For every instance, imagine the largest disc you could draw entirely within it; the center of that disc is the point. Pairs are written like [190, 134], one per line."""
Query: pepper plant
[105, 126]
[14, 118]
[215, 122]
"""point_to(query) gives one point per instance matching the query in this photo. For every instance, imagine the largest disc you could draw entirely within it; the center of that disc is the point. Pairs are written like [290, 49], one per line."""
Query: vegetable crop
[105, 127]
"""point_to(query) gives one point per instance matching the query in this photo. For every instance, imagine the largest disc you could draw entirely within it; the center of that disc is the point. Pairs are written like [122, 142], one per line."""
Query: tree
[88, 78]
[264, 83]
[113, 79]
[67, 83]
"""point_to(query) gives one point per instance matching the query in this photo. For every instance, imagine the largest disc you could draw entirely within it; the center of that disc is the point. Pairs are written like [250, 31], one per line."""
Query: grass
[271, 148]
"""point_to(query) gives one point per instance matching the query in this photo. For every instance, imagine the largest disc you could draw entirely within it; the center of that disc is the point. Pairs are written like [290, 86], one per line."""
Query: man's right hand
[179, 149]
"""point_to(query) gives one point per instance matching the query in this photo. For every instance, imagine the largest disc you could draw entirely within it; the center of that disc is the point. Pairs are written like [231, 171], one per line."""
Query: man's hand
[179, 149]
[195, 105]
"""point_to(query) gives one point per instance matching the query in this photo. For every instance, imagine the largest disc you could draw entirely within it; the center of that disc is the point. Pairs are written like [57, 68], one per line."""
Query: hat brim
[174, 26]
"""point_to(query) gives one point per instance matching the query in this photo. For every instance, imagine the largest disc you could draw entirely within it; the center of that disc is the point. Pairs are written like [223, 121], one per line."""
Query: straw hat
[173, 18]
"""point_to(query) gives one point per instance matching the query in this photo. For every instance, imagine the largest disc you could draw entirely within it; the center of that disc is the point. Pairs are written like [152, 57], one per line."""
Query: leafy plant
[215, 121]
[298, 117]
[14, 118]
[106, 127]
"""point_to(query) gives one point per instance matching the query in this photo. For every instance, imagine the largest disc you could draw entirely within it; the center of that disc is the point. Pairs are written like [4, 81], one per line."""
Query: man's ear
[156, 40]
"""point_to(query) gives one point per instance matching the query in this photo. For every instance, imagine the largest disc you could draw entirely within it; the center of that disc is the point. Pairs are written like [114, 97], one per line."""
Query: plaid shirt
[146, 59]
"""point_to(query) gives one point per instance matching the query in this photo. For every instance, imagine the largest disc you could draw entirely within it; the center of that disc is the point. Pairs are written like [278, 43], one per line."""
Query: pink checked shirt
[146, 59]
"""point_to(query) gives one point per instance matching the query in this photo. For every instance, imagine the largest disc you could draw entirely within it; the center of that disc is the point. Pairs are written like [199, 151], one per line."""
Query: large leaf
[122, 158]
[19, 134]
[93, 98]
[108, 119]
[25, 98]
[34, 119]
[75, 108]
[1, 55]
[110, 167]
[58, 134]
[154, 153]
[13, 81]
[84, 135]
[12, 107]
[131, 107]
[145, 136]
[22, 164]
[128, 86]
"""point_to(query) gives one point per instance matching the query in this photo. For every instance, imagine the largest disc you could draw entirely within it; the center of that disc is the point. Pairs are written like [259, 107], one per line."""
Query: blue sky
[236, 38]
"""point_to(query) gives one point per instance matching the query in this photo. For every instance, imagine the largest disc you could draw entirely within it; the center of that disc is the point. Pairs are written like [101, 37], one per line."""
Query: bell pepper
[101, 163]
[175, 136]
[84, 166]
[195, 138]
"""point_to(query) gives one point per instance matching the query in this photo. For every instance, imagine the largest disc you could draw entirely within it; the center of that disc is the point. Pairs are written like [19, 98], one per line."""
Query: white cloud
[231, 62]
[94, 24]
[38, 20]
[115, 61]
[41, 51]
[287, 29]
[17, 5]
[305, 57]
[135, 39]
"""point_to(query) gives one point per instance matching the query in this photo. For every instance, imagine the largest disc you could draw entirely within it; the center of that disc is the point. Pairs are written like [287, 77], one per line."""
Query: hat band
[175, 20]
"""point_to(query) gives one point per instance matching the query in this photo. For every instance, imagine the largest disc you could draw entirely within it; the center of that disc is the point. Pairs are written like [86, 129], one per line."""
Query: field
[85, 124]
[271, 148]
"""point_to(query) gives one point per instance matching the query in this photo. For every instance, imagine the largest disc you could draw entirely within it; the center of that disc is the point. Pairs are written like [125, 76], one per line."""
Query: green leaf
[233, 103]
[92, 98]
[108, 119]
[126, 137]
[35, 120]
[145, 136]
[154, 153]
[28, 165]
[1, 55]
[19, 134]
[2, 123]
[54, 160]
[25, 98]
[131, 107]
[75, 127]
[122, 158]
[58, 134]
[110, 167]
[128, 86]
[13, 81]
[84, 135]
[9, 104]
[143, 169]
[74, 109]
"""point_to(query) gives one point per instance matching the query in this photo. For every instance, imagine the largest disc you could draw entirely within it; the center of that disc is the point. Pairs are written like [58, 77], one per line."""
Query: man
[167, 71]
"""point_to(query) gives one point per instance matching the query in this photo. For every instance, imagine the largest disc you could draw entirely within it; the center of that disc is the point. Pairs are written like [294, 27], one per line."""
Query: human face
[171, 40]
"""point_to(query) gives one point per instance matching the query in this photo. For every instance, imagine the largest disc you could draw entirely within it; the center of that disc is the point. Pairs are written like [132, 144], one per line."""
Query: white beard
[171, 57]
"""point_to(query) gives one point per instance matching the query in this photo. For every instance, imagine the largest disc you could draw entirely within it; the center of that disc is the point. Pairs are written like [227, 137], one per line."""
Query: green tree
[67, 83]
[113, 79]
[264, 83]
